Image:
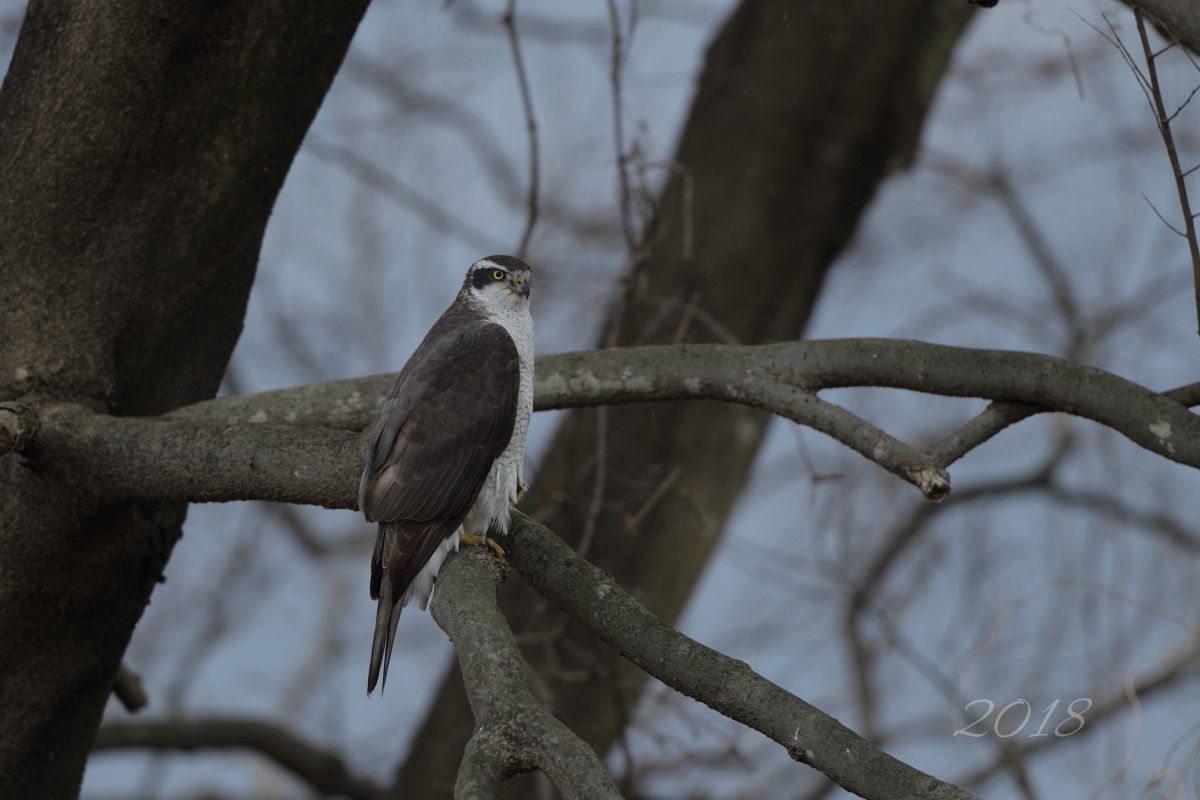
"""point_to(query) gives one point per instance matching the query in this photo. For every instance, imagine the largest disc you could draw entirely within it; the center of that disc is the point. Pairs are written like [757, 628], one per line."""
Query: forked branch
[513, 731]
[724, 684]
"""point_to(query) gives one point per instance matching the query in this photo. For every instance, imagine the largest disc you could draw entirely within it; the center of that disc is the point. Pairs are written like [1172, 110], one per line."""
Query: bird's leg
[471, 538]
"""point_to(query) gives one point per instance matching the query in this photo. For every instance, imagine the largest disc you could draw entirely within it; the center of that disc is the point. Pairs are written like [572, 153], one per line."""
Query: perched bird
[445, 457]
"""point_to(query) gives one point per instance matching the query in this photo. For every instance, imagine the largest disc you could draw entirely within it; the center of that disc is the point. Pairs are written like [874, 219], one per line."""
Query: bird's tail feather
[387, 617]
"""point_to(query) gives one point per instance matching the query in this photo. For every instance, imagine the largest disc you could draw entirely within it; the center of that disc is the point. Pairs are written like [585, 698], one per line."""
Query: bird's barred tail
[387, 615]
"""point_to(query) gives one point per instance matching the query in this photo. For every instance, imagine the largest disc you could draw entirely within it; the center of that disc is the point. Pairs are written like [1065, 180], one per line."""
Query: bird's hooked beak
[522, 285]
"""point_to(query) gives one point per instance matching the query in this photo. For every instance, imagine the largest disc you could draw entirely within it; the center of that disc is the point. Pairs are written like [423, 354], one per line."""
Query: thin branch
[1106, 505]
[1115, 40]
[724, 684]
[1162, 219]
[312, 545]
[513, 731]
[616, 63]
[598, 484]
[1047, 263]
[1028, 18]
[400, 193]
[321, 769]
[1164, 128]
[510, 26]
[1187, 101]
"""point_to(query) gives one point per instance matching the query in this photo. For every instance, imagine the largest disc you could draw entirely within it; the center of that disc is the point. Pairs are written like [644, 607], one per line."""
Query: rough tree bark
[142, 145]
[801, 111]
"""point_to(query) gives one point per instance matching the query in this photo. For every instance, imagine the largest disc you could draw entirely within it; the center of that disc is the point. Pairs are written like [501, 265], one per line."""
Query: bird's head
[499, 282]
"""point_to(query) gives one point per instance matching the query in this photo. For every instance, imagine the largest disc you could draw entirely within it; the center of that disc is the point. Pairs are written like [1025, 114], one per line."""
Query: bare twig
[1103, 503]
[310, 544]
[1162, 219]
[1028, 19]
[509, 19]
[634, 520]
[616, 64]
[403, 195]
[598, 484]
[321, 769]
[1164, 128]
[1052, 269]
[688, 199]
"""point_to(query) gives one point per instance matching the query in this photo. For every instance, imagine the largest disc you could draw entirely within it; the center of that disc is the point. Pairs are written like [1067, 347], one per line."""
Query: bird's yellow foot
[520, 492]
[470, 538]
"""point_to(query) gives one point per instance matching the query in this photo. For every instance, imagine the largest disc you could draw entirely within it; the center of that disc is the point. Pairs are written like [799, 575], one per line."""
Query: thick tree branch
[323, 770]
[207, 452]
[142, 146]
[513, 731]
[1000, 415]
[726, 685]
[166, 459]
[736, 374]
[564, 382]
[725, 372]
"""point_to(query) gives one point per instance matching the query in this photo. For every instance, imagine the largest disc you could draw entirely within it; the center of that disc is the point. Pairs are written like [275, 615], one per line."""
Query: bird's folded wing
[449, 415]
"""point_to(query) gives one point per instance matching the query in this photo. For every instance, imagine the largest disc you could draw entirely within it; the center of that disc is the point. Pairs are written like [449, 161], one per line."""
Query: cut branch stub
[128, 689]
[18, 426]
[933, 482]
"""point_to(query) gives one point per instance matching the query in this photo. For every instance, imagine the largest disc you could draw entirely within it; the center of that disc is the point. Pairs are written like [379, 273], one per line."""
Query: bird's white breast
[491, 507]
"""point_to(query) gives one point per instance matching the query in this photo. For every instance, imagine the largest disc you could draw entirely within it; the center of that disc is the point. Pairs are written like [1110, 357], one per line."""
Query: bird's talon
[522, 490]
[472, 539]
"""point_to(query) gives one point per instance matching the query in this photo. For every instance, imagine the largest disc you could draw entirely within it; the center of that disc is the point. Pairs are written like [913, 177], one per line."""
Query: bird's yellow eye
[497, 274]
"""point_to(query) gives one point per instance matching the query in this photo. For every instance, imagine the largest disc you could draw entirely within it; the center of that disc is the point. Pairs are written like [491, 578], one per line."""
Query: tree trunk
[801, 111]
[142, 145]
